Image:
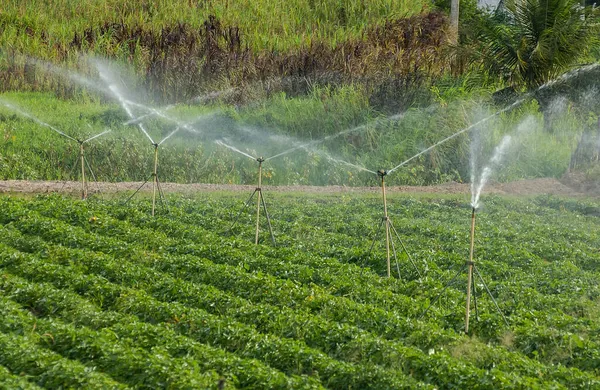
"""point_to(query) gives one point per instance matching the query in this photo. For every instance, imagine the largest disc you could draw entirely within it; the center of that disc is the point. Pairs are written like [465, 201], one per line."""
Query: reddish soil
[521, 187]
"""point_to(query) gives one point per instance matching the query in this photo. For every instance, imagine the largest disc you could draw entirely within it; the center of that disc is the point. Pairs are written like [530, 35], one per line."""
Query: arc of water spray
[125, 104]
[152, 113]
[221, 143]
[169, 135]
[36, 120]
[499, 152]
[96, 136]
[338, 161]
[42, 123]
[561, 78]
[515, 104]
[352, 130]
[161, 114]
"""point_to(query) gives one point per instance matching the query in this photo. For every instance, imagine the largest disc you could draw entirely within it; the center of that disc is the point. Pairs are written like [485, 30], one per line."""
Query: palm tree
[530, 42]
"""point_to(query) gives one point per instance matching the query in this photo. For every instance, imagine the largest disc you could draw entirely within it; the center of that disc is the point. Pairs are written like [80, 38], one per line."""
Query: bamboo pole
[259, 190]
[155, 176]
[470, 265]
[382, 174]
[83, 188]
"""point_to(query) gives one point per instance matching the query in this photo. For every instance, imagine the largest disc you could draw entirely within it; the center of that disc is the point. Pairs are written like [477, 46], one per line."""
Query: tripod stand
[155, 184]
[471, 269]
[389, 238]
[260, 201]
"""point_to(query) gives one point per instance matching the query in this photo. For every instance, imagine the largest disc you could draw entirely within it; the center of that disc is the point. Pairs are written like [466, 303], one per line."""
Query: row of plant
[348, 292]
[215, 274]
[290, 356]
[11, 380]
[342, 342]
[520, 298]
[127, 363]
[22, 353]
[49, 302]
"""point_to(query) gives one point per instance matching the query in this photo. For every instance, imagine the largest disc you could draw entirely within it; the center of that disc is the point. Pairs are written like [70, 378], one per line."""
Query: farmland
[99, 294]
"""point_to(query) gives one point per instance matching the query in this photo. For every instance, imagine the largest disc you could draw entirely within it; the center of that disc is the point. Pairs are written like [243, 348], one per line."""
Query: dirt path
[521, 187]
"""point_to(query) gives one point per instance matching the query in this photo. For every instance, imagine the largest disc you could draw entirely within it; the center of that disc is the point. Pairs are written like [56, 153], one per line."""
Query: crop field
[98, 294]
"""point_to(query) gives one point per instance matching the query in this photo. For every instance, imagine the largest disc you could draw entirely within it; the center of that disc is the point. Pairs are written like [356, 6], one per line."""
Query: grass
[265, 25]
[181, 49]
[30, 151]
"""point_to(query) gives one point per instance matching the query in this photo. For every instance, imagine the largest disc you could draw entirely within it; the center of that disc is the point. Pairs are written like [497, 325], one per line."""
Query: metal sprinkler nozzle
[155, 144]
[260, 159]
[382, 173]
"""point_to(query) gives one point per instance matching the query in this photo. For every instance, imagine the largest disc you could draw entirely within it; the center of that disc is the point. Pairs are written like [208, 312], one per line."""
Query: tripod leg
[491, 296]
[372, 245]
[441, 293]
[405, 250]
[89, 167]
[70, 175]
[475, 302]
[161, 194]
[396, 257]
[375, 236]
[136, 191]
[242, 210]
[262, 198]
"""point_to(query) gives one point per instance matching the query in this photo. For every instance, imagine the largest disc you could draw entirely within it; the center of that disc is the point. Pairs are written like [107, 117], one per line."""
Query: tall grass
[183, 48]
[268, 24]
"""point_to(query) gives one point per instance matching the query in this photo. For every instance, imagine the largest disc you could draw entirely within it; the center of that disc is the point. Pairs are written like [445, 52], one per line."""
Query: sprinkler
[471, 269]
[84, 162]
[260, 201]
[155, 182]
[389, 229]
[470, 266]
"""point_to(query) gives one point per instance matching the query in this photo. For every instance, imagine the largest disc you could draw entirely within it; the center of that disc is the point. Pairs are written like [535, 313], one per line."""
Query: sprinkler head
[382, 173]
[260, 159]
[155, 145]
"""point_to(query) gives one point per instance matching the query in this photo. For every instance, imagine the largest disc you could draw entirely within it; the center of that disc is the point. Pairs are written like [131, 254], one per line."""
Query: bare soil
[550, 186]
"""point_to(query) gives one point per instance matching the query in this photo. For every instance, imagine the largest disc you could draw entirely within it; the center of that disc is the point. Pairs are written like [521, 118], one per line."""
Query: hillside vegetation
[181, 48]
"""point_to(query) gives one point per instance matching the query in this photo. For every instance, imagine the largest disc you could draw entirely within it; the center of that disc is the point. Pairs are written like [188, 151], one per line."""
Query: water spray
[82, 158]
[348, 131]
[154, 175]
[389, 229]
[471, 269]
[259, 201]
[470, 266]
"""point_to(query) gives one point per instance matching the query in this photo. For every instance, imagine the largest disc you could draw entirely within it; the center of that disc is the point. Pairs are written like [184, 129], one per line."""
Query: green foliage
[338, 124]
[106, 285]
[527, 43]
[270, 25]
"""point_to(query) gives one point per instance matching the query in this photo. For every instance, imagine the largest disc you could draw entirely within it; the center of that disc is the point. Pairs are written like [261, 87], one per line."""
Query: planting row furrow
[291, 356]
[22, 353]
[348, 342]
[8, 380]
[341, 342]
[392, 323]
[100, 348]
[339, 278]
[48, 301]
[499, 356]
